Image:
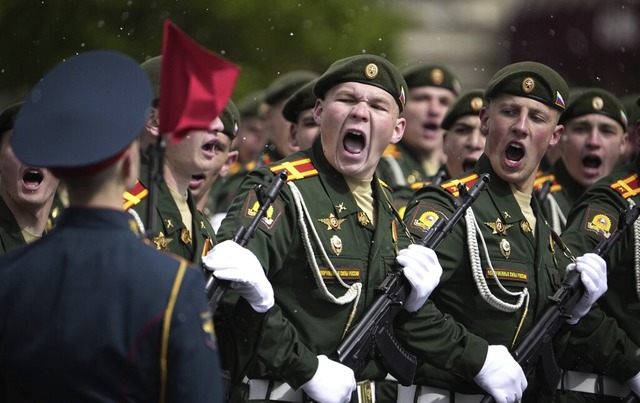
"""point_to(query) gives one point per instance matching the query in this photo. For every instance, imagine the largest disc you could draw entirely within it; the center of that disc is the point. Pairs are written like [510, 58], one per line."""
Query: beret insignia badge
[528, 84]
[371, 71]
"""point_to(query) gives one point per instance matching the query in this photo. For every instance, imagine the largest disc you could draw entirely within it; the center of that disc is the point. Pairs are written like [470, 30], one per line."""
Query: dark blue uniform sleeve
[193, 369]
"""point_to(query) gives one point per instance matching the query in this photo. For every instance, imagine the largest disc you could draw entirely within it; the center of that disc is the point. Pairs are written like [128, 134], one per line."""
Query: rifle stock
[537, 343]
[215, 288]
[373, 334]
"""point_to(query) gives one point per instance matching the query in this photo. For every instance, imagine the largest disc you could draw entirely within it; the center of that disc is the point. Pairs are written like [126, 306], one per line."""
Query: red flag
[195, 84]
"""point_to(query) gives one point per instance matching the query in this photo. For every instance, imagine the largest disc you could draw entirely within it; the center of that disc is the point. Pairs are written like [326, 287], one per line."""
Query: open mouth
[591, 162]
[354, 142]
[430, 126]
[468, 164]
[32, 178]
[196, 180]
[514, 152]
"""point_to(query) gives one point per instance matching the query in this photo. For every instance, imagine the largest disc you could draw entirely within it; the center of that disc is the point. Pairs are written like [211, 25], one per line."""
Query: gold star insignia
[168, 223]
[332, 222]
[161, 241]
[498, 227]
[340, 207]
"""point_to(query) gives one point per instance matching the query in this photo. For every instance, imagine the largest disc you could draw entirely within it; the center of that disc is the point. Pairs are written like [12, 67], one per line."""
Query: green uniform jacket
[564, 191]
[168, 222]
[10, 234]
[303, 323]
[401, 170]
[457, 322]
[593, 217]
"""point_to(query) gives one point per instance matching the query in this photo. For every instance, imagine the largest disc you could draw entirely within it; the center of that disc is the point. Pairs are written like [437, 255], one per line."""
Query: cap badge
[371, 71]
[437, 76]
[476, 103]
[528, 85]
[597, 103]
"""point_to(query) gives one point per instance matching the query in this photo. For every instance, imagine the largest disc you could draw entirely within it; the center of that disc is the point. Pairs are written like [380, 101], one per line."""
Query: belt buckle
[366, 392]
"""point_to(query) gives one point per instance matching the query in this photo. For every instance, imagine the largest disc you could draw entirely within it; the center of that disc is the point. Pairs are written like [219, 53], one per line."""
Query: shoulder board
[391, 151]
[296, 169]
[627, 187]
[452, 185]
[235, 167]
[419, 185]
[384, 185]
[134, 195]
[540, 180]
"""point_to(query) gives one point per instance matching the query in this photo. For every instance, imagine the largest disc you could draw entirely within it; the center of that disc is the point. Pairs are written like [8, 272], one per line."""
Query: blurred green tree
[264, 37]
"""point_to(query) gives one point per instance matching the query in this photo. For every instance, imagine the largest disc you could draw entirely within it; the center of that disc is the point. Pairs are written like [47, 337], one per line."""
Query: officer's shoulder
[297, 166]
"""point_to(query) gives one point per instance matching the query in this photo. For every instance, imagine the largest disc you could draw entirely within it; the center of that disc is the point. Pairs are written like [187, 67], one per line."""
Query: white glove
[332, 382]
[501, 376]
[593, 273]
[230, 261]
[422, 269]
[634, 384]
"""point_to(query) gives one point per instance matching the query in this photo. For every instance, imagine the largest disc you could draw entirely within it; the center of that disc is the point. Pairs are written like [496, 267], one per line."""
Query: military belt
[264, 389]
[596, 384]
[430, 394]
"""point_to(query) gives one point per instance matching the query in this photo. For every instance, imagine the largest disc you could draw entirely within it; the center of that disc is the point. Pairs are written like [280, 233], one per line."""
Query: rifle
[538, 342]
[215, 288]
[373, 335]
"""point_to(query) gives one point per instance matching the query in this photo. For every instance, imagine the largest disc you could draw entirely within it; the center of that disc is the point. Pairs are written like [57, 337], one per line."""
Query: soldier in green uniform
[201, 185]
[28, 200]
[298, 110]
[179, 227]
[275, 125]
[249, 142]
[501, 263]
[463, 139]
[419, 156]
[593, 218]
[633, 114]
[593, 141]
[331, 237]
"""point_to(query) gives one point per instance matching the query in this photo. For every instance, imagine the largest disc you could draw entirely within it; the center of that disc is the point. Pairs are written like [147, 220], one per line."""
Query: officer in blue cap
[90, 312]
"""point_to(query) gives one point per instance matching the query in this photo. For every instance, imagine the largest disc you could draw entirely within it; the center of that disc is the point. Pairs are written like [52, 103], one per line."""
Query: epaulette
[627, 187]
[384, 185]
[296, 169]
[235, 167]
[419, 185]
[539, 182]
[134, 195]
[392, 151]
[452, 185]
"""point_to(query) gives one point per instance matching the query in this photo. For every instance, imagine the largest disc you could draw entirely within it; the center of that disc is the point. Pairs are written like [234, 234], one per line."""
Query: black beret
[249, 106]
[8, 117]
[152, 68]
[630, 103]
[285, 85]
[530, 80]
[301, 100]
[431, 75]
[598, 101]
[366, 69]
[469, 103]
[85, 111]
[230, 119]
